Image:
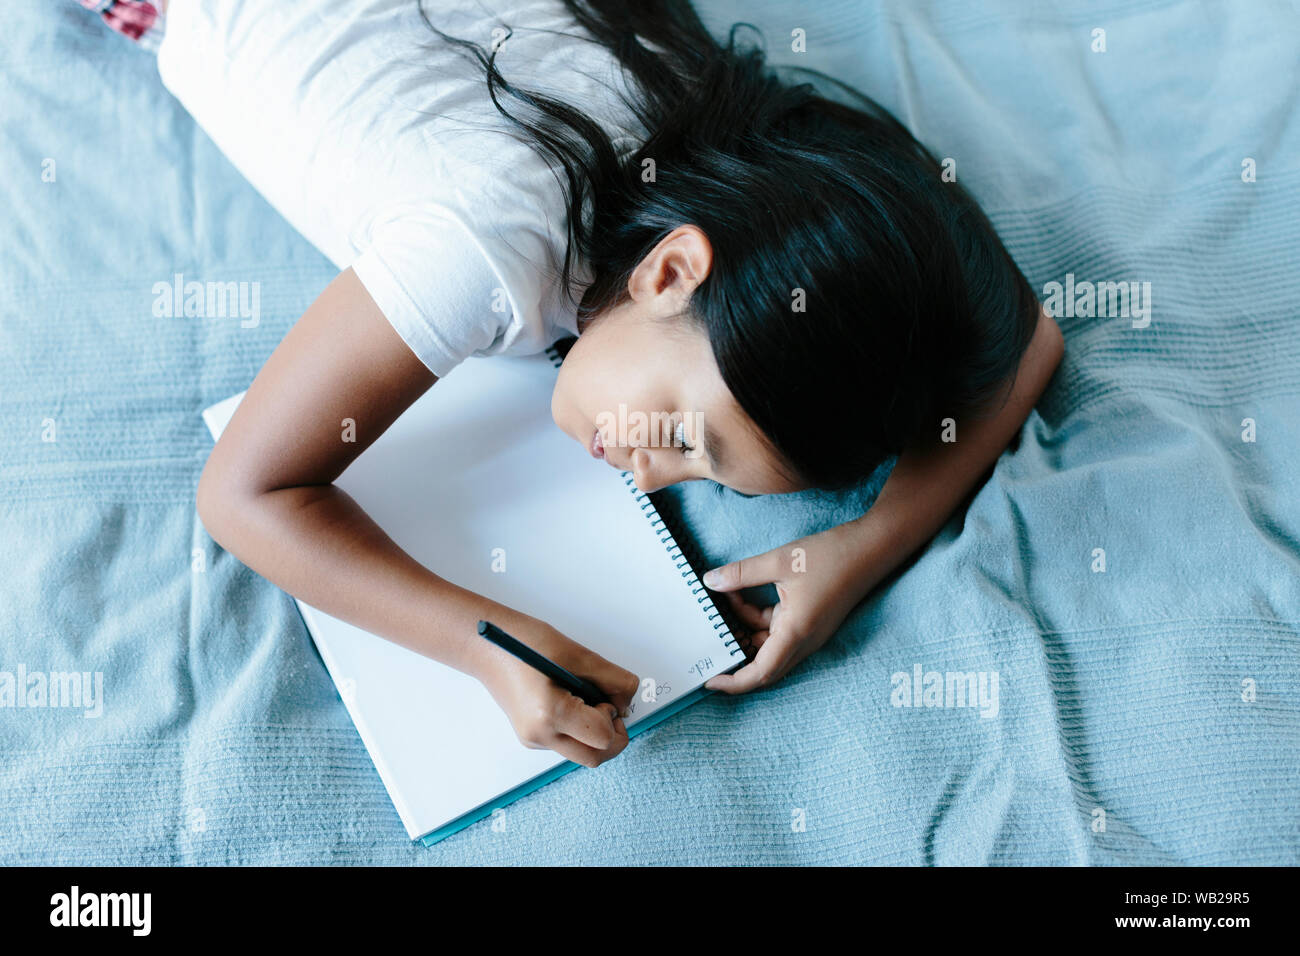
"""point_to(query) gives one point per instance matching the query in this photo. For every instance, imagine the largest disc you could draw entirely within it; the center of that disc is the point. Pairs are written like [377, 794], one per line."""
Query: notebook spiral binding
[684, 557]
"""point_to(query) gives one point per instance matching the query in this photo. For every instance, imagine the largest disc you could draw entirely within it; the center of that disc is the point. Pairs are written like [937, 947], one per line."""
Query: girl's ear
[691, 255]
[682, 258]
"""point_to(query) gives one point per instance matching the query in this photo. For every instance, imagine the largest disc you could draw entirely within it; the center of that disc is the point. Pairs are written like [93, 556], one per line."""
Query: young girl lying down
[731, 248]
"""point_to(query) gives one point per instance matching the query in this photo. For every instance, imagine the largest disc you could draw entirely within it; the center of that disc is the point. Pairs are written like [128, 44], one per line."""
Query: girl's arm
[267, 496]
[930, 479]
[819, 579]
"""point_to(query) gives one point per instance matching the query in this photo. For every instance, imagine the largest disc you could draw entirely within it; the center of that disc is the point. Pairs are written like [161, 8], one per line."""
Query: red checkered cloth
[135, 19]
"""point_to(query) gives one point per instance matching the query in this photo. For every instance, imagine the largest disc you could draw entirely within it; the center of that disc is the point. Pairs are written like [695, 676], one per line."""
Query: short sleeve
[435, 287]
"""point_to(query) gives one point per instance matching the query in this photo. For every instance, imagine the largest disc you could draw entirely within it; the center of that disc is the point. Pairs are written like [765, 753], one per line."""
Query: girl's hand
[545, 715]
[818, 582]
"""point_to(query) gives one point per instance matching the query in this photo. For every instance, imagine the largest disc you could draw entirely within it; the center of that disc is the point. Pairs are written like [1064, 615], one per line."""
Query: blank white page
[477, 464]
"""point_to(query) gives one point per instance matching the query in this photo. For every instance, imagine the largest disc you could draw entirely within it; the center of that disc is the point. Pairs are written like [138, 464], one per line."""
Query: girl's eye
[679, 437]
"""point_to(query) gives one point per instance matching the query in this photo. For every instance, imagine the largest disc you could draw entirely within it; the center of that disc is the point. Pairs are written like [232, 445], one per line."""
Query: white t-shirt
[377, 141]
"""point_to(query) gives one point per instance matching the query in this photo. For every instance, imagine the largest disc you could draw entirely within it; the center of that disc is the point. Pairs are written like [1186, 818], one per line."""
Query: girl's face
[648, 385]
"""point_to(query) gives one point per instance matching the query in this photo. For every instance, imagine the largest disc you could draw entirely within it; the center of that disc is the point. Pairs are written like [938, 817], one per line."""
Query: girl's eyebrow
[712, 448]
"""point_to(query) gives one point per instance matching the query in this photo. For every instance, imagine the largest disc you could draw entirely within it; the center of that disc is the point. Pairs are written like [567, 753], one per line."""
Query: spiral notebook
[478, 484]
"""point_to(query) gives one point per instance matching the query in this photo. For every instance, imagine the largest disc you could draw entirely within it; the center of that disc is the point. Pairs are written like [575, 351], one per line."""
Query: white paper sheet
[477, 464]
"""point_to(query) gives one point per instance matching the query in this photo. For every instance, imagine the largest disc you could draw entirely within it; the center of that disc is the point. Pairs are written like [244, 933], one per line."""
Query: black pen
[590, 694]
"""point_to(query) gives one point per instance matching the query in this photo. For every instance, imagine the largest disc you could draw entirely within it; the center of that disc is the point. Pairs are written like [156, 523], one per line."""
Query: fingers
[586, 735]
[758, 639]
[769, 665]
[747, 572]
[751, 615]
[598, 732]
[578, 752]
[619, 685]
[752, 642]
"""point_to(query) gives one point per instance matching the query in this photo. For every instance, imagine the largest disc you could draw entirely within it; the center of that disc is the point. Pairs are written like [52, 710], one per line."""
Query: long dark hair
[913, 309]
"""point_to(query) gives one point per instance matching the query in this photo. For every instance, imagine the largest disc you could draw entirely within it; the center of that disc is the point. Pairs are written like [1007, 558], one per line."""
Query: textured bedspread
[1144, 713]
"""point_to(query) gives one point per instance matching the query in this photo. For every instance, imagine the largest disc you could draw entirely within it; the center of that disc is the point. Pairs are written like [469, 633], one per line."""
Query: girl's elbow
[214, 500]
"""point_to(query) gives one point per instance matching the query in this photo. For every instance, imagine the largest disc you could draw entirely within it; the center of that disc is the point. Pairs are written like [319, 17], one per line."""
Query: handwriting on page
[702, 667]
[652, 690]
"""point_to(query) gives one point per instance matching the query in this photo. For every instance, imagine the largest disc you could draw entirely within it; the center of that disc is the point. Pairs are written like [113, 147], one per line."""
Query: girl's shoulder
[364, 129]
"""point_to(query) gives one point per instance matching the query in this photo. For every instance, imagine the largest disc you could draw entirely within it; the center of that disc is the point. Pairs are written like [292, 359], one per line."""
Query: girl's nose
[651, 469]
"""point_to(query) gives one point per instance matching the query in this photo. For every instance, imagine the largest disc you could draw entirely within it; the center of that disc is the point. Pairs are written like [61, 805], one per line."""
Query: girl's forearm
[316, 543]
[931, 479]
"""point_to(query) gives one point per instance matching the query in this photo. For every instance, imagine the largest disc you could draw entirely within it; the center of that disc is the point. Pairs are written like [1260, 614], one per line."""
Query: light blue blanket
[1147, 713]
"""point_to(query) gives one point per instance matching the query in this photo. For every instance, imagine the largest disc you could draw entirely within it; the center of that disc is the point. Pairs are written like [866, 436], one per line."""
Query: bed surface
[1124, 696]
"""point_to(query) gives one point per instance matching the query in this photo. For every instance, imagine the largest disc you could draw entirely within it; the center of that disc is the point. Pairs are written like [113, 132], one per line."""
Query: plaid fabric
[136, 19]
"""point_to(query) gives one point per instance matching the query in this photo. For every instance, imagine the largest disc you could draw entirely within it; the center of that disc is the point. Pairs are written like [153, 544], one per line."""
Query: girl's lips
[596, 446]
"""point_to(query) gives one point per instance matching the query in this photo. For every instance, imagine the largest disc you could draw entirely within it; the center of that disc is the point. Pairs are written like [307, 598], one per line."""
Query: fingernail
[712, 578]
